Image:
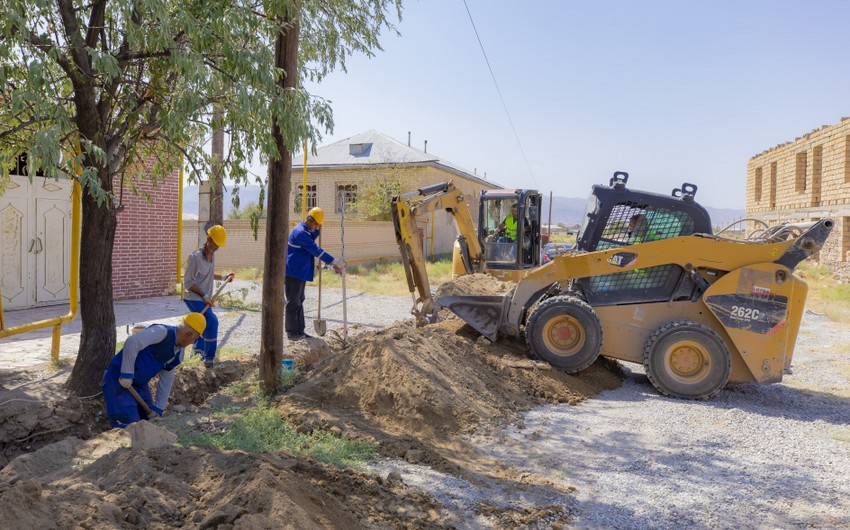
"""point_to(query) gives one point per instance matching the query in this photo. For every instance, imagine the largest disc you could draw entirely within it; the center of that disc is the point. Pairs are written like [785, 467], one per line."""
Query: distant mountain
[567, 210]
[570, 211]
[247, 195]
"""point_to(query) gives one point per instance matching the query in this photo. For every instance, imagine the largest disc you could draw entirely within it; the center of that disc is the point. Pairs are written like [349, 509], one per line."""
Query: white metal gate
[35, 242]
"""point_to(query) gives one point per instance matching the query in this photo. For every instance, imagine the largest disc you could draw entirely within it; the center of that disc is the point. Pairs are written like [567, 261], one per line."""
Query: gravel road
[775, 456]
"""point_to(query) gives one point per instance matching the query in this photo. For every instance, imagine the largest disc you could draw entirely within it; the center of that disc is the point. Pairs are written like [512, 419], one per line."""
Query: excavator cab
[509, 231]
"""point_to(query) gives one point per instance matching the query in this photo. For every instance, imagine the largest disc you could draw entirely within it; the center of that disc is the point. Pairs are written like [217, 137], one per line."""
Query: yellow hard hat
[317, 214]
[196, 321]
[218, 235]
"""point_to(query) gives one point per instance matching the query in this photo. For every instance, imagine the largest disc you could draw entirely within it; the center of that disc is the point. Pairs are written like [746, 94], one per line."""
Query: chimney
[426, 146]
[408, 138]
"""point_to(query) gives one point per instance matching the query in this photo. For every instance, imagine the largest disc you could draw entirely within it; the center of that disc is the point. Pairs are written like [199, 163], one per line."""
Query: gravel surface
[774, 456]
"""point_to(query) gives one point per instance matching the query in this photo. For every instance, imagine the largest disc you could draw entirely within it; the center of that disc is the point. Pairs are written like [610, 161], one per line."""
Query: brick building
[345, 169]
[805, 180]
[35, 237]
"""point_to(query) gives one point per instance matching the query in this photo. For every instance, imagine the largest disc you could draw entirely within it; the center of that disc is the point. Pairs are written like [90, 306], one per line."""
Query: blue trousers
[208, 342]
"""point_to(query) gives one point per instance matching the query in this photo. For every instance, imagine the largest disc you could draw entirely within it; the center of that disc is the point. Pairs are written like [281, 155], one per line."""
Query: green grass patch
[385, 278]
[249, 273]
[262, 430]
[826, 294]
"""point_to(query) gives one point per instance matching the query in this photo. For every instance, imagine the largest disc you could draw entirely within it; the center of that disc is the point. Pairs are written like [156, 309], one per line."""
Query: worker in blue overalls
[301, 251]
[156, 350]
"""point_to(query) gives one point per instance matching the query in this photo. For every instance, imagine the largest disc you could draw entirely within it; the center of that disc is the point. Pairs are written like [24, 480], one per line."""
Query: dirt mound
[474, 284]
[41, 412]
[205, 488]
[432, 382]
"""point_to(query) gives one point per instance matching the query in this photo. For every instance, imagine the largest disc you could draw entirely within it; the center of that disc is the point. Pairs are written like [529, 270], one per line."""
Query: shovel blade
[321, 327]
[483, 313]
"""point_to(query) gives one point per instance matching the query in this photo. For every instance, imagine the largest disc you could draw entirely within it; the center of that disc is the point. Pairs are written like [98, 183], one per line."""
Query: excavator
[649, 283]
[489, 249]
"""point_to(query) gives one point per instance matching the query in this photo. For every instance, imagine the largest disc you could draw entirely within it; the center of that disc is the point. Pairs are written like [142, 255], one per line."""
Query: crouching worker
[155, 350]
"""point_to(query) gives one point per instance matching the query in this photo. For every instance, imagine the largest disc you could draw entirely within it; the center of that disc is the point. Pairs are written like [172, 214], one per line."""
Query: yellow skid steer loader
[649, 283]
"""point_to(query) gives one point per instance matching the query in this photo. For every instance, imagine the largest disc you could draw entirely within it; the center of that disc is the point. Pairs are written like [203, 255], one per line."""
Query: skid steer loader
[650, 284]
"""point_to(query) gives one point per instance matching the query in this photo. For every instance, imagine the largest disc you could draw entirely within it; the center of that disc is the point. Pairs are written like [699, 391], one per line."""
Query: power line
[496, 83]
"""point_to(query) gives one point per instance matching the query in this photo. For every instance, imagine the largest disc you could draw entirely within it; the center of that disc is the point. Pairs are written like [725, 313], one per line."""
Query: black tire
[687, 360]
[565, 332]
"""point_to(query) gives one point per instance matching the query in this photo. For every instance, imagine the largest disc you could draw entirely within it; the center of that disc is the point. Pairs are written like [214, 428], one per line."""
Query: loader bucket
[484, 313]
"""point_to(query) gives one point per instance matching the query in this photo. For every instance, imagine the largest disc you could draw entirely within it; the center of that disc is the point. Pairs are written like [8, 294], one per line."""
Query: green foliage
[250, 210]
[262, 430]
[375, 194]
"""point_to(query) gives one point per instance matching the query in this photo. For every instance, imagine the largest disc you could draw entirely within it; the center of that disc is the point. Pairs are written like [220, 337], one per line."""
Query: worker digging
[197, 290]
[301, 252]
[155, 351]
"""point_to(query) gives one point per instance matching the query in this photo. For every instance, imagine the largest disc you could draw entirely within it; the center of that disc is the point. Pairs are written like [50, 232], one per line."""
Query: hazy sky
[670, 91]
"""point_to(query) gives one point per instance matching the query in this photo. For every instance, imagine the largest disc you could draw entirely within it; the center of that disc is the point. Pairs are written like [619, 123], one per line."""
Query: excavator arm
[405, 208]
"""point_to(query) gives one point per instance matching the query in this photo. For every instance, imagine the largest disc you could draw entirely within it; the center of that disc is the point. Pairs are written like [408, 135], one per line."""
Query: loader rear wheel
[565, 332]
[687, 360]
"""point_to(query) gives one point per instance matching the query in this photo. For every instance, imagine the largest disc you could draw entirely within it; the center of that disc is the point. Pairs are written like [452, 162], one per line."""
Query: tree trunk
[277, 222]
[217, 179]
[97, 340]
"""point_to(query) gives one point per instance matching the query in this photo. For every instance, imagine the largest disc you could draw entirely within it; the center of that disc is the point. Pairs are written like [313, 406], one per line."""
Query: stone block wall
[806, 179]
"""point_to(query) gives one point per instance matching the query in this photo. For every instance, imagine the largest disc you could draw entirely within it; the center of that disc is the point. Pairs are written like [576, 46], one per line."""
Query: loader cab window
[631, 223]
[510, 231]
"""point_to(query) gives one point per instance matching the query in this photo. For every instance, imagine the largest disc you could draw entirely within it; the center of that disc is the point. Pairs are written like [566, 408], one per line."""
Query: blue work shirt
[300, 251]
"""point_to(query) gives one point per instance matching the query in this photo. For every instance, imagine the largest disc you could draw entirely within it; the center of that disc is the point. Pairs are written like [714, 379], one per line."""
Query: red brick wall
[145, 253]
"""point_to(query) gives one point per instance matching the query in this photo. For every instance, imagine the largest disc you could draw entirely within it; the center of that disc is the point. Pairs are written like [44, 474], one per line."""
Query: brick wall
[144, 258]
[805, 180]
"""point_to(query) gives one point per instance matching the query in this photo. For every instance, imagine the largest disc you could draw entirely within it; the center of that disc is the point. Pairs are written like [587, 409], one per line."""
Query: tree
[106, 84]
[375, 193]
[251, 210]
[324, 32]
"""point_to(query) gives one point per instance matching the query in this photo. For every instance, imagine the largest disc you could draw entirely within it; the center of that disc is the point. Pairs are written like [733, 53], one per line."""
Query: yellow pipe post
[304, 187]
[179, 275]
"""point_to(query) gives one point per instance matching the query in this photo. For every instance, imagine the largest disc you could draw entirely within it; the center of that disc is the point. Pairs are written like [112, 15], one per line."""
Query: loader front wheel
[565, 332]
[687, 360]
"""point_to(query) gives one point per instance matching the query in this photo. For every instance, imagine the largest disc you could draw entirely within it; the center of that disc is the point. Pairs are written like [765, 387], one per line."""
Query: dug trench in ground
[413, 391]
[35, 412]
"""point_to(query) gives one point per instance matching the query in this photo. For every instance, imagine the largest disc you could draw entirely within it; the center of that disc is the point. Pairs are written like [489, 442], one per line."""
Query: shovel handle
[227, 279]
[141, 401]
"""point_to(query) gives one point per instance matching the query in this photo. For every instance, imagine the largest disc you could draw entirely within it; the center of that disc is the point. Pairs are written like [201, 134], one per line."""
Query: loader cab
[616, 216]
[509, 230]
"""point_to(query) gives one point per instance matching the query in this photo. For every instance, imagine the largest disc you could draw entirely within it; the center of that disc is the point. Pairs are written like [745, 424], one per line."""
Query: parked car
[551, 250]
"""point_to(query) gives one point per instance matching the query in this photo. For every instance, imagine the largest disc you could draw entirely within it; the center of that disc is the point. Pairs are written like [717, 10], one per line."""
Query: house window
[800, 173]
[346, 193]
[772, 185]
[847, 159]
[758, 184]
[311, 197]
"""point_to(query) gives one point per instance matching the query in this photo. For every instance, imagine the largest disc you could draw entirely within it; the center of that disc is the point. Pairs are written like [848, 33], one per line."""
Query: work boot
[208, 364]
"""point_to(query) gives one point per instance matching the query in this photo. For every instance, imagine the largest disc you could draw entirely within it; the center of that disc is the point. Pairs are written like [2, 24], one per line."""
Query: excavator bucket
[483, 313]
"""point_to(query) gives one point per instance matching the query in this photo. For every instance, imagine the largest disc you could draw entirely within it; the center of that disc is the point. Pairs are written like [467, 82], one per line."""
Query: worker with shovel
[197, 290]
[300, 253]
[157, 349]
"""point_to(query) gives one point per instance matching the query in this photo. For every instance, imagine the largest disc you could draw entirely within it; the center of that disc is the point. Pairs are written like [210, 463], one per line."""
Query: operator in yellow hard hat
[156, 350]
[300, 253]
[198, 288]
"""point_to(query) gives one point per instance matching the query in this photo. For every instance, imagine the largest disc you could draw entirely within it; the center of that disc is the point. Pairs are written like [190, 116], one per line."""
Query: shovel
[320, 325]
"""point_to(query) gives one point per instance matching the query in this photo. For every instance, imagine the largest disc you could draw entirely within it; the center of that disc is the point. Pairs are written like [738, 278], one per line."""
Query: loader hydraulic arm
[405, 208]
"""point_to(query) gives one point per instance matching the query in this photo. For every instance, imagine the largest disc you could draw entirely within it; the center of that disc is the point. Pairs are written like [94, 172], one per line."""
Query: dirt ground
[411, 391]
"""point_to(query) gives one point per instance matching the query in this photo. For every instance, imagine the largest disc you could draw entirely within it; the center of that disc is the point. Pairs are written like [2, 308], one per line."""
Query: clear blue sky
[670, 91]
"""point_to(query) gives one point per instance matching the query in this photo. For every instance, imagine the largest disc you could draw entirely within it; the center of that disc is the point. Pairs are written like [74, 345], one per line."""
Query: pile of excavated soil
[41, 412]
[474, 284]
[433, 382]
[105, 483]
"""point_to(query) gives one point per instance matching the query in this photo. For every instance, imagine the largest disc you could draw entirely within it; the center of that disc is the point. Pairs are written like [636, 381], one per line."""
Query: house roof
[371, 148]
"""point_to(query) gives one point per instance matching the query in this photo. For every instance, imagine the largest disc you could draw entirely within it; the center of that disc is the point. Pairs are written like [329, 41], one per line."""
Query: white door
[35, 242]
[16, 244]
